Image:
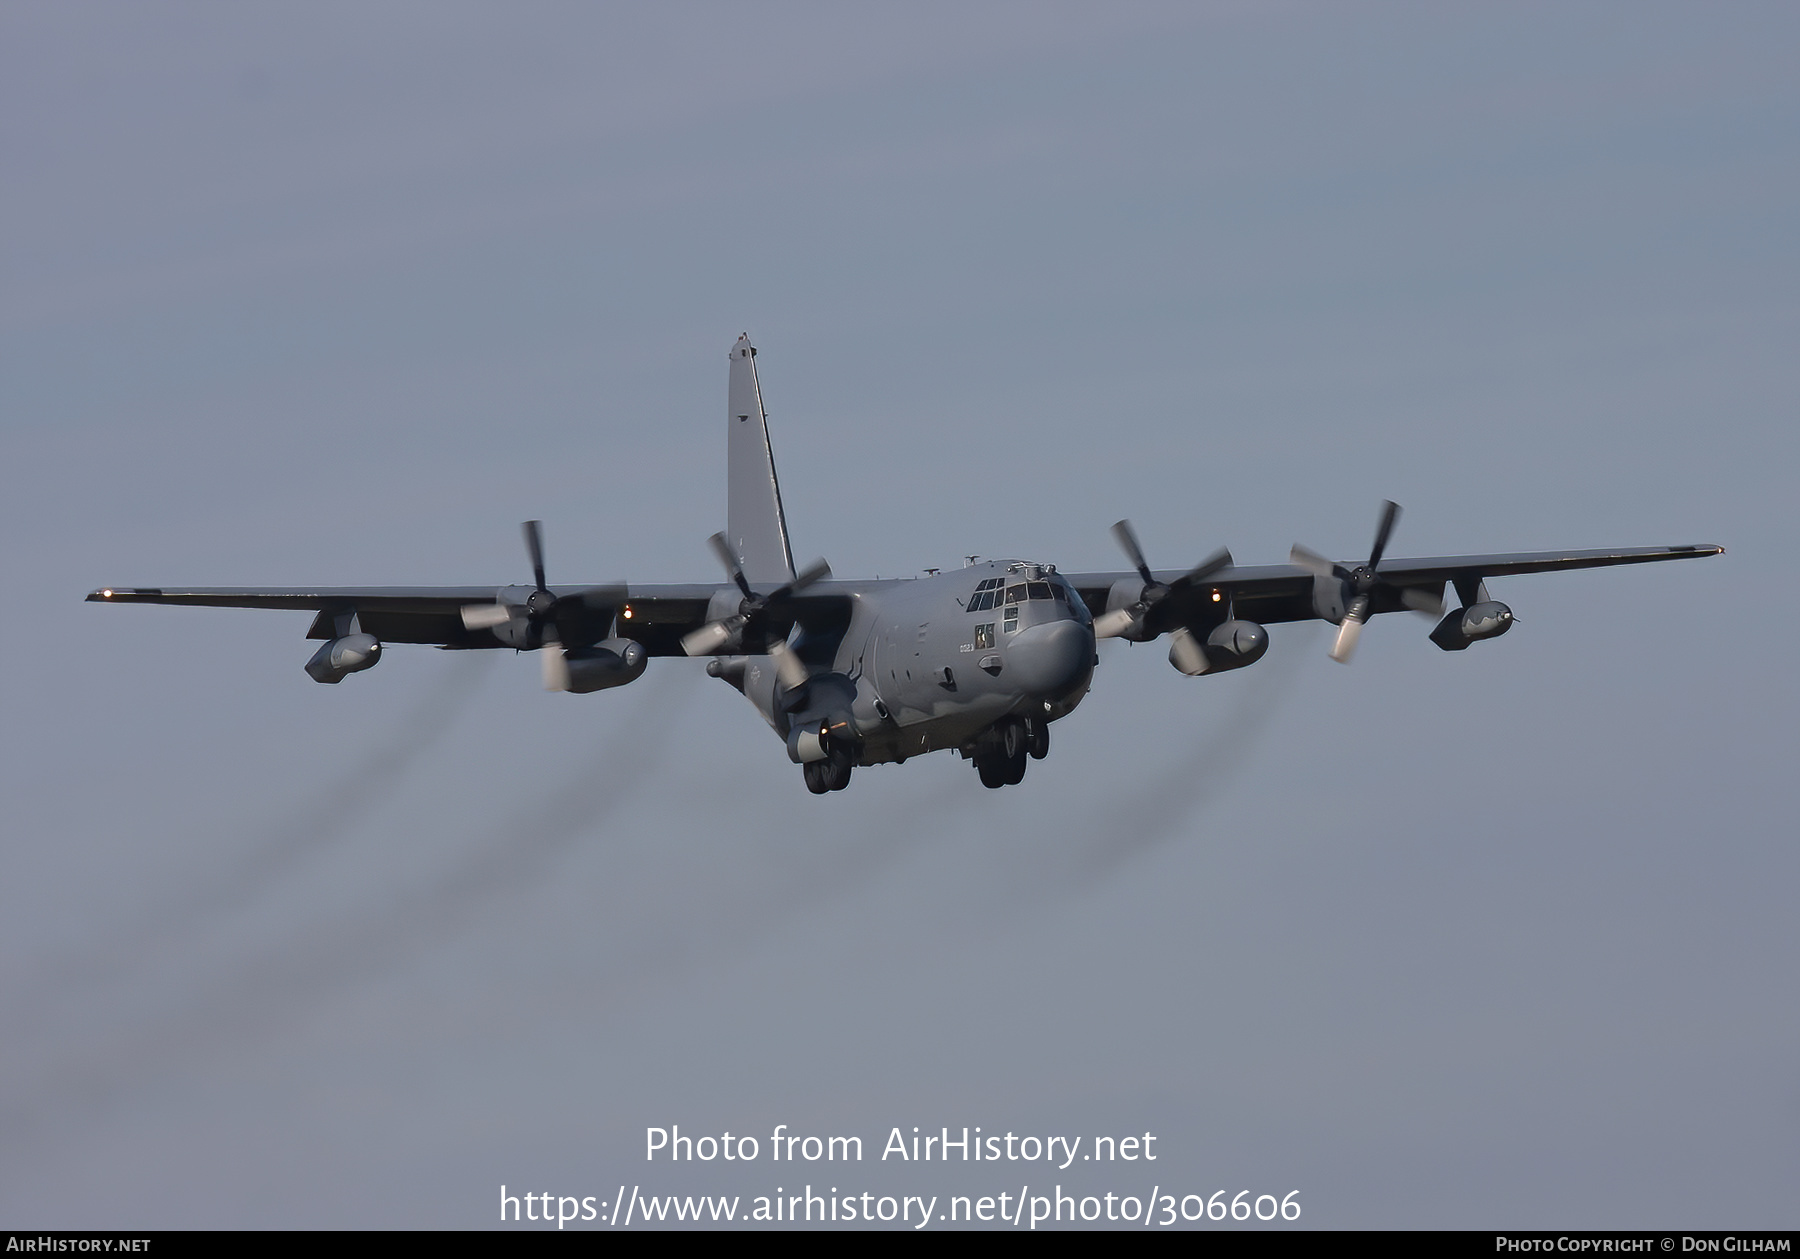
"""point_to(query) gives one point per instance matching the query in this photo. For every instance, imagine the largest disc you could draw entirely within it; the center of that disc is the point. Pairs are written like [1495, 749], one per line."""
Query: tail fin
[754, 520]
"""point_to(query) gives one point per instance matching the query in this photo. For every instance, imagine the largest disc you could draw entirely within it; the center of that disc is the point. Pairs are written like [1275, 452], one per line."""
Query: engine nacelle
[809, 742]
[340, 657]
[828, 729]
[1231, 645]
[1462, 626]
[607, 664]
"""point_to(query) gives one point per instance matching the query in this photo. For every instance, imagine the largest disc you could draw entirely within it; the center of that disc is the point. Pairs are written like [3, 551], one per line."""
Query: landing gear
[1015, 760]
[830, 774]
[1000, 759]
[1037, 737]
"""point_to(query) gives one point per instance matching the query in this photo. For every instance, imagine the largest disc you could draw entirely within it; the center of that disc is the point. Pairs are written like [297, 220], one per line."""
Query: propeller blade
[534, 543]
[556, 667]
[1128, 542]
[1350, 630]
[1390, 512]
[574, 618]
[1312, 562]
[574, 613]
[788, 666]
[478, 616]
[818, 570]
[729, 559]
[1186, 653]
[1113, 623]
[709, 639]
[1423, 601]
[1220, 558]
[596, 597]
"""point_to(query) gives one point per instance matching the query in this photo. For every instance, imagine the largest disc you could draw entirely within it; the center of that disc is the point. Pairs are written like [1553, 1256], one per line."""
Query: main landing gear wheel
[1015, 743]
[1015, 769]
[830, 774]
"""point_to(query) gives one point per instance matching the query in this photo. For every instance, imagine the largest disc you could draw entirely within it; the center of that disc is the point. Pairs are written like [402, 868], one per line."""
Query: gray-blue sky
[303, 294]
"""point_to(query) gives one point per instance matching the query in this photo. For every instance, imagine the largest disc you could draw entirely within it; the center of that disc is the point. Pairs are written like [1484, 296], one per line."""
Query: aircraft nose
[1050, 661]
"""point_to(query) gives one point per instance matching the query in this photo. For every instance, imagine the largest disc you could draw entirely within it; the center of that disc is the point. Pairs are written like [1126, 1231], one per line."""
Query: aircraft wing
[1284, 592]
[656, 616]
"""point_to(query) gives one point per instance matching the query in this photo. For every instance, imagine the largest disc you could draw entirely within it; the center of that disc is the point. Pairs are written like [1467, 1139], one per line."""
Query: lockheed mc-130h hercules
[981, 660]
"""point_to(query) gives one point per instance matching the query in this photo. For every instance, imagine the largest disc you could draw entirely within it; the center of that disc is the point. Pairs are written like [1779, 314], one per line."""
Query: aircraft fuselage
[935, 662]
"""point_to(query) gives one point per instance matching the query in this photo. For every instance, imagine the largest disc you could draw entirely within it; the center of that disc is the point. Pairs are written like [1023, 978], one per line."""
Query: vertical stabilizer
[754, 520]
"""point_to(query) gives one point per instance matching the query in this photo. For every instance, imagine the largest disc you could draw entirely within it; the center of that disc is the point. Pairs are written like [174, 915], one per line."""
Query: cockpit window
[986, 595]
[1038, 589]
[1015, 594]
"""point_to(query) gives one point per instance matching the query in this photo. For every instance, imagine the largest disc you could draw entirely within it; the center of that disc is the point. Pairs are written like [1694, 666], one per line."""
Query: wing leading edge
[655, 616]
[659, 616]
[1274, 593]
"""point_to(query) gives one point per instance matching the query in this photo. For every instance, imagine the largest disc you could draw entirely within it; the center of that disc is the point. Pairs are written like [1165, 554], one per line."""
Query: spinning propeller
[543, 617]
[1134, 620]
[748, 631]
[1359, 586]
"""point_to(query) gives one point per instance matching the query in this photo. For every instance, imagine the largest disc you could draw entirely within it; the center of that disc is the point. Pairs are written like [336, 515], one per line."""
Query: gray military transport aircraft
[981, 660]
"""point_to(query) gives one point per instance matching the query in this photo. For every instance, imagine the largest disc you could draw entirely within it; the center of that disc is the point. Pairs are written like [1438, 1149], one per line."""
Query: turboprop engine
[340, 657]
[1462, 626]
[1231, 645]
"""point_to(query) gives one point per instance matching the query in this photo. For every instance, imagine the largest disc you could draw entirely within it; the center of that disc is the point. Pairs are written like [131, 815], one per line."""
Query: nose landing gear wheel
[1037, 738]
[815, 777]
